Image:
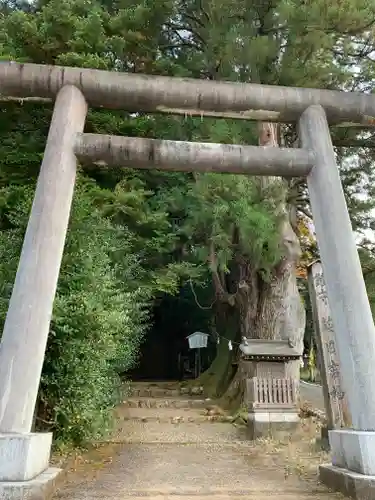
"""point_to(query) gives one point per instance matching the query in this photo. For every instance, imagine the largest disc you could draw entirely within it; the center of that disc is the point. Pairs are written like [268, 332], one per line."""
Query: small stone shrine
[270, 392]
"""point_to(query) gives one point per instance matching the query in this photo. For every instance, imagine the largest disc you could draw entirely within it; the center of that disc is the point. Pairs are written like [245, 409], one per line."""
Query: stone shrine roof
[258, 348]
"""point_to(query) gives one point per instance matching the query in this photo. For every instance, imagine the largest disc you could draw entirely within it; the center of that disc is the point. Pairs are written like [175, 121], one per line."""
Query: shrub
[99, 316]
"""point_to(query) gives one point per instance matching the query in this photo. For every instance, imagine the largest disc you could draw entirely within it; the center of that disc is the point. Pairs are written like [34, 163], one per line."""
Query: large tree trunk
[282, 312]
[218, 376]
[264, 310]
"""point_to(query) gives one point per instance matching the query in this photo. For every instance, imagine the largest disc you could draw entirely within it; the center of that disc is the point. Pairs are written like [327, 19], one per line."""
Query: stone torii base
[352, 471]
[24, 466]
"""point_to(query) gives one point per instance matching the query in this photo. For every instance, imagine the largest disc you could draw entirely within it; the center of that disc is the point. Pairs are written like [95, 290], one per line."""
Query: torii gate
[24, 456]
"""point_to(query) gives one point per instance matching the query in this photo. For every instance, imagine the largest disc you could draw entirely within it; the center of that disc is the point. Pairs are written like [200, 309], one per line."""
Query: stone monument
[335, 400]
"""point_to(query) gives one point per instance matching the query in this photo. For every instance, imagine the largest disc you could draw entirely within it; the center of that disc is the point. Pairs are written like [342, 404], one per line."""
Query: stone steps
[164, 390]
[165, 402]
[154, 392]
[153, 432]
[164, 449]
[149, 416]
[250, 495]
[179, 419]
[173, 415]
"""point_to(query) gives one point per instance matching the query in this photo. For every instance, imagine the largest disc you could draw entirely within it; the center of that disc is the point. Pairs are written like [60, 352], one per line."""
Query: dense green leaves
[97, 323]
[220, 206]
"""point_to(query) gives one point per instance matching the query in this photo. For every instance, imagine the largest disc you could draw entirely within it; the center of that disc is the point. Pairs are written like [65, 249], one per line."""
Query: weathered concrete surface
[353, 450]
[353, 470]
[39, 488]
[276, 426]
[24, 456]
[351, 484]
[166, 460]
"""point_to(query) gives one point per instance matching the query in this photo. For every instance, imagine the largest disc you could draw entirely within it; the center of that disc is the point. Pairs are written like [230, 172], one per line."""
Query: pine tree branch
[204, 12]
[193, 18]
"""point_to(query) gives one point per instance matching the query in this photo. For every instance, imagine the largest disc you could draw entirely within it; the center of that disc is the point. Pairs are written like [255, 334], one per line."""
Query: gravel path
[197, 460]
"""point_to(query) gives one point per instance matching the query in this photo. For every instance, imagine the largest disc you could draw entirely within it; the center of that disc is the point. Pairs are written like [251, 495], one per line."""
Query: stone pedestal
[272, 424]
[39, 488]
[353, 464]
[272, 407]
[24, 466]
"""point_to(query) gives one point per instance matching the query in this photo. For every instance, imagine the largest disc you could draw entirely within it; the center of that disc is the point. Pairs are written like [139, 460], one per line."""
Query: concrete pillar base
[40, 487]
[353, 463]
[353, 450]
[350, 484]
[24, 456]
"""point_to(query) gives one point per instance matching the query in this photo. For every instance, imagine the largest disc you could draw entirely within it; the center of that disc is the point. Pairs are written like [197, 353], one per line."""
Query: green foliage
[228, 215]
[96, 328]
[97, 324]
[367, 256]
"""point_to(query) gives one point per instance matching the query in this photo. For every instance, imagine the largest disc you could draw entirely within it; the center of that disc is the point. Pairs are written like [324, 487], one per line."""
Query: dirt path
[312, 394]
[168, 447]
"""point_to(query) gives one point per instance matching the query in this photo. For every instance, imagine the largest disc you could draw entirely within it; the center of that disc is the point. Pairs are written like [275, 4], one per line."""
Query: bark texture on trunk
[219, 375]
[282, 313]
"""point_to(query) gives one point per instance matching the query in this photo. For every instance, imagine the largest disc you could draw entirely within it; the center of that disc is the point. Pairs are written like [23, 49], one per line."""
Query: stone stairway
[167, 404]
[174, 445]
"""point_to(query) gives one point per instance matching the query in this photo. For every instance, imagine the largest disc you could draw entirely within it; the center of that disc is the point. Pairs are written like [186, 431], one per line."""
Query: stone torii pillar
[353, 450]
[24, 456]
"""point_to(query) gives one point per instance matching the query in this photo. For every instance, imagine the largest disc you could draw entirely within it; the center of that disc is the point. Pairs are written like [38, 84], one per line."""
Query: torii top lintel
[161, 94]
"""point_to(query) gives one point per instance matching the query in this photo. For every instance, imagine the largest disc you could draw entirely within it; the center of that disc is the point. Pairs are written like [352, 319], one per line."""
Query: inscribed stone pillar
[334, 395]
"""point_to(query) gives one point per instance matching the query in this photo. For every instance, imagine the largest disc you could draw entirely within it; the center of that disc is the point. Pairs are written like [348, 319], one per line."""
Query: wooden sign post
[337, 412]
